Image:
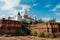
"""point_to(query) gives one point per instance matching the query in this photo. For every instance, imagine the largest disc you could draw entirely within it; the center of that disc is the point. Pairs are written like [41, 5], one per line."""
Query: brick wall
[46, 27]
[9, 26]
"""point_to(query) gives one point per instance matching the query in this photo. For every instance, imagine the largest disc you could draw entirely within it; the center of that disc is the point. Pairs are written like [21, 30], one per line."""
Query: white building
[18, 17]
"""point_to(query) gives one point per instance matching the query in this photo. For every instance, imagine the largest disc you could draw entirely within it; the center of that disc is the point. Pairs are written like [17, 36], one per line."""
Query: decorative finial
[26, 11]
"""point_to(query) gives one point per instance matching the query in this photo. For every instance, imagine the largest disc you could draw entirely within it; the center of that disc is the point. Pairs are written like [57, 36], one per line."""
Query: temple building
[18, 17]
[12, 24]
[27, 18]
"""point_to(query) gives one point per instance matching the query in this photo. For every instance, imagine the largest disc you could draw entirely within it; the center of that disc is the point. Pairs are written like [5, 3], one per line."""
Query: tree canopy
[23, 21]
[52, 20]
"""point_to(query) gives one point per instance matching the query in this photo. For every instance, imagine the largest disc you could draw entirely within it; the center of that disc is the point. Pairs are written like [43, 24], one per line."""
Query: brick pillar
[47, 27]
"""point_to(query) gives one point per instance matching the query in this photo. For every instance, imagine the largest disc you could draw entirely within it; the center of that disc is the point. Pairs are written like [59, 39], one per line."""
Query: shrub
[40, 34]
[0, 34]
[6, 35]
[33, 33]
[35, 22]
[23, 32]
[9, 35]
[24, 21]
[47, 34]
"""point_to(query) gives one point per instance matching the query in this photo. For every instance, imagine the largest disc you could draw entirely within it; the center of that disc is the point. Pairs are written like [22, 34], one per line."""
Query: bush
[23, 32]
[47, 34]
[24, 21]
[33, 33]
[35, 22]
[0, 34]
[6, 35]
[40, 34]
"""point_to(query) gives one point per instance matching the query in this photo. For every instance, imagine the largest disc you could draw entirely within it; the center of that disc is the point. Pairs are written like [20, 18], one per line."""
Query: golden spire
[25, 13]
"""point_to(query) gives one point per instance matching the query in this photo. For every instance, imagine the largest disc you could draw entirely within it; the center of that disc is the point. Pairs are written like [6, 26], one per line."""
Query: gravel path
[27, 38]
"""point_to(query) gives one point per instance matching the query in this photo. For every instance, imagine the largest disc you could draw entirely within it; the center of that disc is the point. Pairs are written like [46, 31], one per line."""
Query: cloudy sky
[42, 9]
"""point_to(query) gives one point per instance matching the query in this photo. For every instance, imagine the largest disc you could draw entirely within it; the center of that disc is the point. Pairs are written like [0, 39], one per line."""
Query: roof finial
[26, 11]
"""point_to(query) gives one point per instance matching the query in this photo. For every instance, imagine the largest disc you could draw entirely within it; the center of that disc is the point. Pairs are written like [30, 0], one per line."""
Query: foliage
[53, 20]
[47, 34]
[58, 24]
[33, 33]
[23, 21]
[29, 27]
[31, 22]
[40, 21]
[35, 22]
[6, 35]
[23, 31]
[40, 34]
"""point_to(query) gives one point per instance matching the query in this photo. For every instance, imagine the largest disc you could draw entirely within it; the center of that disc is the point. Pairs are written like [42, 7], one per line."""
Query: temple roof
[25, 14]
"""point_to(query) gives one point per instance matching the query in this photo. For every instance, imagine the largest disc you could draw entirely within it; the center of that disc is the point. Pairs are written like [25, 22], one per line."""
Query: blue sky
[42, 9]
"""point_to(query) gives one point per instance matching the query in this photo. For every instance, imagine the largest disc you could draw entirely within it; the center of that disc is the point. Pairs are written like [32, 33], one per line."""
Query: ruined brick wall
[9, 26]
[46, 27]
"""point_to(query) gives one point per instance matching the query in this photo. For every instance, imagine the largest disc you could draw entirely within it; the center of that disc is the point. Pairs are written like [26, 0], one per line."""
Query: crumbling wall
[9, 26]
[46, 27]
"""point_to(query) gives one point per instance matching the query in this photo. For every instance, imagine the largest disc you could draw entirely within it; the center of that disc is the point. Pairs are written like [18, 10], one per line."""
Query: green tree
[23, 31]
[40, 21]
[31, 22]
[23, 21]
[53, 20]
[35, 22]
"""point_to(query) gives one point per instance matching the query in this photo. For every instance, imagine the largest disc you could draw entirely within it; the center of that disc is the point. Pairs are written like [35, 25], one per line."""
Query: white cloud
[8, 8]
[10, 4]
[1, 3]
[48, 5]
[58, 21]
[35, 4]
[57, 13]
[2, 16]
[33, 0]
[24, 7]
[55, 9]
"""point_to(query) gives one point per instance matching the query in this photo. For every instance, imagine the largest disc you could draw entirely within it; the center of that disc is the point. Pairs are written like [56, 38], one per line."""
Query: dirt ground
[27, 38]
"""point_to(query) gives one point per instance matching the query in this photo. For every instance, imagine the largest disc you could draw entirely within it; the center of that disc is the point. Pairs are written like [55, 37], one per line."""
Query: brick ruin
[9, 26]
[46, 27]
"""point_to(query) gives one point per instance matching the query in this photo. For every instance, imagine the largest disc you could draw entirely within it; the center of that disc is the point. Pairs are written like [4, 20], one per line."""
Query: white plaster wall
[17, 18]
[28, 20]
